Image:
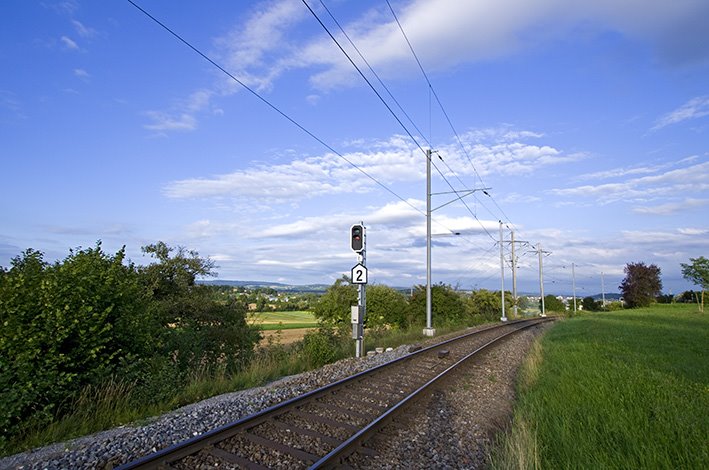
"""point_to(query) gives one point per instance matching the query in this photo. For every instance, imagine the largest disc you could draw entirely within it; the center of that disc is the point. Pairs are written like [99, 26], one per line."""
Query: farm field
[283, 320]
[283, 327]
[626, 389]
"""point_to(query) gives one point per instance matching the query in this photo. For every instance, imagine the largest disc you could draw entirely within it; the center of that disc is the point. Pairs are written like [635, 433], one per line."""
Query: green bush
[62, 327]
[322, 347]
[552, 304]
[387, 308]
[81, 322]
[447, 306]
[333, 308]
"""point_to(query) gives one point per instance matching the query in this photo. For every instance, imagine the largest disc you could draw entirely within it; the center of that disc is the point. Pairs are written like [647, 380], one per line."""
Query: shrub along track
[334, 424]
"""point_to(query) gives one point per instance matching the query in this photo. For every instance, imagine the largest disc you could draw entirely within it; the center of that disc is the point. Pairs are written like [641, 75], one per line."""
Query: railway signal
[357, 238]
[358, 244]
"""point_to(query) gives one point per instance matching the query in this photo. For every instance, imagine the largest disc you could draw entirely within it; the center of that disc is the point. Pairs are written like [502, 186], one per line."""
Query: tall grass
[626, 389]
[116, 402]
[95, 408]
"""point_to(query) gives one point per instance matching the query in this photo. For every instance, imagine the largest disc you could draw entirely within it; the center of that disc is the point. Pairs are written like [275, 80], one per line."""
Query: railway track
[320, 429]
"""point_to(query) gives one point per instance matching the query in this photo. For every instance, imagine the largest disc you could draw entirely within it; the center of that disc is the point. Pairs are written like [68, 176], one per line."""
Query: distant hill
[579, 295]
[608, 296]
[266, 284]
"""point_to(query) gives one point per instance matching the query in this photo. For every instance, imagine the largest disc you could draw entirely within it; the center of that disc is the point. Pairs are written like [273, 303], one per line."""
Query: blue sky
[589, 121]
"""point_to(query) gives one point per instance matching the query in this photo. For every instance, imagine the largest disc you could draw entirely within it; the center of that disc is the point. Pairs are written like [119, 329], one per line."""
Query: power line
[364, 77]
[440, 104]
[283, 114]
[272, 106]
[371, 69]
[391, 111]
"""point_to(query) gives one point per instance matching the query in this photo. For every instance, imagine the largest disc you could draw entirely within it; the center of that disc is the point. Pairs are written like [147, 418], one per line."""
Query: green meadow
[283, 320]
[620, 390]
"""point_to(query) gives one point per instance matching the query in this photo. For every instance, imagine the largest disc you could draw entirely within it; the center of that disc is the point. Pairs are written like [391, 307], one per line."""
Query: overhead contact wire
[271, 105]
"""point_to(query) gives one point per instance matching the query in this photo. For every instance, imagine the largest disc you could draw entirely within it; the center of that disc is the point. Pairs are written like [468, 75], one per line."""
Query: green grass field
[628, 389]
[283, 320]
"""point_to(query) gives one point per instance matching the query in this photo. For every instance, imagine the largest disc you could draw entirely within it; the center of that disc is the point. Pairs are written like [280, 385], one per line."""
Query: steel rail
[334, 457]
[191, 446]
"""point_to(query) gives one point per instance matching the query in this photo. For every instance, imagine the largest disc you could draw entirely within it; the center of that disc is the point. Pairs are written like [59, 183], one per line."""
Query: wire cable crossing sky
[587, 119]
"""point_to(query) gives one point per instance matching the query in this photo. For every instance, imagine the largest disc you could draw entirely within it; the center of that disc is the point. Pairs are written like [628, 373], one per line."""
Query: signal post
[358, 244]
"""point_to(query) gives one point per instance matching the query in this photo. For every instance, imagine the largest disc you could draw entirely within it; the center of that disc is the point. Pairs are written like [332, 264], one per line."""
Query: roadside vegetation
[626, 389]
[94, 341]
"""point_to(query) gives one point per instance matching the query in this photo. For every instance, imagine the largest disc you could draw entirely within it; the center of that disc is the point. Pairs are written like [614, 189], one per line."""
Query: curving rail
[321, 428]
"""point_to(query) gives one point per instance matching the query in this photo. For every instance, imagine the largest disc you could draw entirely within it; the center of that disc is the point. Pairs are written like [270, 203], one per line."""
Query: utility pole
[514, 276]
[502, 274]
[603, 290]
[428, 331]
[573, 283]
[515, 300]
[541, 276]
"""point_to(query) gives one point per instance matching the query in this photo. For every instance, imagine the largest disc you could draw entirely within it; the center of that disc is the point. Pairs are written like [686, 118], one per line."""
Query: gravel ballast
[450, 430]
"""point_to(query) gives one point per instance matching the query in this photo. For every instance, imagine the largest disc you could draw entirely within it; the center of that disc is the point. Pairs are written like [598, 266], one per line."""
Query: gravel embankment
[454, 427]
[450, 432]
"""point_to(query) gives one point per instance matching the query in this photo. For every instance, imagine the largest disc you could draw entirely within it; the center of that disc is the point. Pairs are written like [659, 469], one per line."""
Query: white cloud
[253, 50]
[678, 236]
[693, 109]
[81, 73]
[304, 178]
[672, 207]
[398, 212]
[693, 231]
[516, 198]
[620, 172]
[82, 30]
[484, 29]
[503, 152]
[69, 43]
[265, 45]
[687, 180]
[166, 122]
[389, 161]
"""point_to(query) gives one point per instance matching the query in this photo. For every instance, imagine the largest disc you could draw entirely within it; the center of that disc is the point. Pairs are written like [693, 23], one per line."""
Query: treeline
[94, 318]
[264, 299]
[388, 308]
[96, 321]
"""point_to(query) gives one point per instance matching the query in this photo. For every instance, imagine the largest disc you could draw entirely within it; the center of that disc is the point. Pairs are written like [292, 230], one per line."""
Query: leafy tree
[590, 304]
[64, 326]
[198, 331]
[698, 273]
[447, 305]
[641, 285]
[552, 304]
[333, 308]
[387, 307]
[688, 297]
[322, 346]
[92, 316]
[523, 303]
[173, 274]
[485, 303]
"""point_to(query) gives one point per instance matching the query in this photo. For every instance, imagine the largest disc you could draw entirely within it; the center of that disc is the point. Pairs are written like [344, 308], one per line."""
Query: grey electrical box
[356, 313]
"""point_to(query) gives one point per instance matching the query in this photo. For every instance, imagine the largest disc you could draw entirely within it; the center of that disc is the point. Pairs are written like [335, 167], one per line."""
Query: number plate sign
[359, 274]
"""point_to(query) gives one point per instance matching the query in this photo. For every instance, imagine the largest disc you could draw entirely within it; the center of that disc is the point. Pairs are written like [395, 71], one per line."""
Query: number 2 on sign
[359, 274]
